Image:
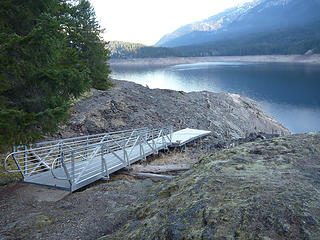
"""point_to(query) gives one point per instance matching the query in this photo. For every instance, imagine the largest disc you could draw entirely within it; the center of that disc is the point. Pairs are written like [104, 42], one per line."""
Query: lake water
[289, 92]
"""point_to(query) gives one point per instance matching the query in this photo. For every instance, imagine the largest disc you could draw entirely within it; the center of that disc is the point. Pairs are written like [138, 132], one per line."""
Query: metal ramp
[76, 162]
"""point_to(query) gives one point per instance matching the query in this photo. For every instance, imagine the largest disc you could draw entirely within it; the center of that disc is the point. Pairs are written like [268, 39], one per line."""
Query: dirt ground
[36, 212]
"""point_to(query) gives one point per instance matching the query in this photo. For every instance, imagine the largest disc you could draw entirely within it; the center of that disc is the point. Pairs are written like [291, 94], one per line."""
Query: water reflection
[289, 92]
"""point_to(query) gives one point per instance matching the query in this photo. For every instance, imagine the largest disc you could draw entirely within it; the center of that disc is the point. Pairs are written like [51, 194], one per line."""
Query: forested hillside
[289, 41]
[136, 50]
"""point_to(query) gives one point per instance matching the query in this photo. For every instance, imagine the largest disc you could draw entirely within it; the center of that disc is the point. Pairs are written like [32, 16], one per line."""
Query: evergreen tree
[84, 35]
[47, 57]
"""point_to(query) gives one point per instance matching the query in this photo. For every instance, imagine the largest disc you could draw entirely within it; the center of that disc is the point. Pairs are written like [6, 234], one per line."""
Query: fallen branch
[149, 175]
[160, 168]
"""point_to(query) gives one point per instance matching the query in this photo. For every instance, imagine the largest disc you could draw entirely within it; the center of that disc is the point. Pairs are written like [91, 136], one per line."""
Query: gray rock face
[129, 105]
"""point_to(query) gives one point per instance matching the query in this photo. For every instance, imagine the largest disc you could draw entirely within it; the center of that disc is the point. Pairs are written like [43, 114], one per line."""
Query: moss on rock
[262, 190]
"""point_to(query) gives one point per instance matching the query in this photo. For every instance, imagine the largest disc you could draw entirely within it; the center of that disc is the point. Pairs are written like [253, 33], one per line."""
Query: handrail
[5, 164]
[52, 168]
[82, 137]
[111, 140]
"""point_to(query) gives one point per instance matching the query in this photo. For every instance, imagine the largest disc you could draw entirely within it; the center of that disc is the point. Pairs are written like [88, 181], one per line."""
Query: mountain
[255, 18]
[260, 27]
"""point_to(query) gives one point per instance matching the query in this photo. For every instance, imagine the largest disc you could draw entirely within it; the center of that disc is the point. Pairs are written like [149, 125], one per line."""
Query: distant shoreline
[308, 59]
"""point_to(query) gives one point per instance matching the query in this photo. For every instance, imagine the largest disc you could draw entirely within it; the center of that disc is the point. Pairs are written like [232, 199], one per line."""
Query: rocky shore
[130, 105]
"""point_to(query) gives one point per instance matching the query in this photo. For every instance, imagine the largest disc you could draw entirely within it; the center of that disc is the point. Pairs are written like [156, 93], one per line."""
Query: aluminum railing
[83, 163]
[78, 156]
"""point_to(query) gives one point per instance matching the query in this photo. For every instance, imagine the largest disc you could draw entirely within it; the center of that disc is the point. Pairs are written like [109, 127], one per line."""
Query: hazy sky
[146, 21]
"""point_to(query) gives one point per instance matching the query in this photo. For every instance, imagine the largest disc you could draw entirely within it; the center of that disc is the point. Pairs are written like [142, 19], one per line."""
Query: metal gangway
[76, 162]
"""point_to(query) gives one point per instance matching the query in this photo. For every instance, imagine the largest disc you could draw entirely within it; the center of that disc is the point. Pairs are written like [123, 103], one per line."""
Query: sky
[146, 21]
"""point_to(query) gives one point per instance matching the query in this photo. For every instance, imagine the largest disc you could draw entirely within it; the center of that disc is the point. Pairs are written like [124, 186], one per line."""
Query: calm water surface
[289, 92]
